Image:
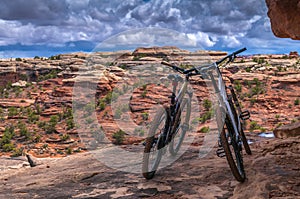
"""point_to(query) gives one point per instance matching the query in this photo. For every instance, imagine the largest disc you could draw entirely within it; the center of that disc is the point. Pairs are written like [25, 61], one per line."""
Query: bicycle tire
[148, 168]
[232, 151]
[181, 128]
[245, 143]
[243, 136]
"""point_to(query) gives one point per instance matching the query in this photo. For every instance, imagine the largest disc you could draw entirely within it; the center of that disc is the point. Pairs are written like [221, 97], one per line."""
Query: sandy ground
[273, 171]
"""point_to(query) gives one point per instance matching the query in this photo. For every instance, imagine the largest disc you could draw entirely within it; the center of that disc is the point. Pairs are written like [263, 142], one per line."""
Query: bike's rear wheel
[233, 151]
[181, 126]
[154, 143]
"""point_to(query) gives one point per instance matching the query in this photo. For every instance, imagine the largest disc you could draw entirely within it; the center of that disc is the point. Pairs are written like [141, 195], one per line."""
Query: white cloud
[202, 38]
[231, 42]
[227, 23]
[148, 37]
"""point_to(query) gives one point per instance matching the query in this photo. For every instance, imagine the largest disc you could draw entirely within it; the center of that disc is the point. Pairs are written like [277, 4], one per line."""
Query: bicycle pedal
[245, 115]
[220, 152]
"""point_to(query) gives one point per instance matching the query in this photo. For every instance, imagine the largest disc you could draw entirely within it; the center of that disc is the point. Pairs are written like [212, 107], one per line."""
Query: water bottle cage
[245, 115]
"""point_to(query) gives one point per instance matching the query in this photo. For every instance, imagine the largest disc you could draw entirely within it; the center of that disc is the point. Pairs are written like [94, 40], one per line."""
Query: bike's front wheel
[242, 134]
[154, 143]
[181, 126]
[233, 150]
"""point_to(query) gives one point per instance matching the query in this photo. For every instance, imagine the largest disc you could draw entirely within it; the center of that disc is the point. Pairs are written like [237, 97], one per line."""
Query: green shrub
[102, 105]
[41, 124]
[70, 123]
[259, 60]
[54, 119]
[297, 102]
[8, 147]
[145, 115]
[37, 139]
[206, 116]
[108, 97]
[64, 137]
[17, 152]
[12, 111]
[9, 133]
[262, 129]
[144, 93]
[68, 113]
[69, 151]
[279, 124]
[33, 117]
[49, 127]
[119, 137]
[24, 131]
[238, 86]
[253, 126]
[207, 104]
[204, 129]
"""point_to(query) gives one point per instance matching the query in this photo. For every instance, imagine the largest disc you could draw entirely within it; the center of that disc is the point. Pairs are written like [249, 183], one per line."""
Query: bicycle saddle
[175, 77]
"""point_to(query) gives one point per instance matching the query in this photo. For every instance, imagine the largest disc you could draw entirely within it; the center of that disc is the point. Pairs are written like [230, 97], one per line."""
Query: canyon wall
[285, 18]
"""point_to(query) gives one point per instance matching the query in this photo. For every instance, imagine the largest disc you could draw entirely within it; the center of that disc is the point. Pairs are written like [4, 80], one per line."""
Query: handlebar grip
[239, 51]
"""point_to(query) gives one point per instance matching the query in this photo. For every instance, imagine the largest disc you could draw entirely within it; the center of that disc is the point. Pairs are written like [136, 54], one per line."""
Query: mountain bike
[231, 136]
[169, 125]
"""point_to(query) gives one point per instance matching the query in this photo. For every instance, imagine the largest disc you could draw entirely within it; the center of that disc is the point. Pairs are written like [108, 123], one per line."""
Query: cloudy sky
[49, 27]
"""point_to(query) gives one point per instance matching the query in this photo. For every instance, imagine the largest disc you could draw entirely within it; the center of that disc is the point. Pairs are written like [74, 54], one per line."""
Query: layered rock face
[285, 18]
[289, 130]
[267, 85]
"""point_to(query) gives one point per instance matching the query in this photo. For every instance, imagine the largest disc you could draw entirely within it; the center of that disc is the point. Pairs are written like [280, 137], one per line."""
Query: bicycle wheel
[243, 136]
[181, 126]
[233, 151]
[245, 143]
[154, 143]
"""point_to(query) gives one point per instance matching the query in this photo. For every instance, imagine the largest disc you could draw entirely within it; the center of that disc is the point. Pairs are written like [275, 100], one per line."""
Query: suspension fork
[223, 98]
[235, 100]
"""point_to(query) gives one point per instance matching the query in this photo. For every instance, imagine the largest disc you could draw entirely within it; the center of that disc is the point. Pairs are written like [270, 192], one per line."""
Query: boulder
[285, 18]
[19, 83]
[289, 130]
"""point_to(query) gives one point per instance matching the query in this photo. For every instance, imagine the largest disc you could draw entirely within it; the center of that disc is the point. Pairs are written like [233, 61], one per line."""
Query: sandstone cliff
[285, 18]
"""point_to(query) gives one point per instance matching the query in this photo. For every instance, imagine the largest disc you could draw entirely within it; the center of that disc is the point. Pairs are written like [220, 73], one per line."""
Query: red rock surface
[267, 85]
[285, 18]
[275, 80]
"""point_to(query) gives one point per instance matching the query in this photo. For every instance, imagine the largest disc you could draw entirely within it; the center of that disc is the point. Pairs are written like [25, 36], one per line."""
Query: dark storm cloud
[36, 11]
[56, 22]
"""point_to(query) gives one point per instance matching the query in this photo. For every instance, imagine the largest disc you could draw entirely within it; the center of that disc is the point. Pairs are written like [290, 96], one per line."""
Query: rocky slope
[37, 96]
[272, 172]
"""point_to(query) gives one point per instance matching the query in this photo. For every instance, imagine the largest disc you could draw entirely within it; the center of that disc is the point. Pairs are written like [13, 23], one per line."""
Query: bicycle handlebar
[231, 56]
[206, 67]
[181, 70]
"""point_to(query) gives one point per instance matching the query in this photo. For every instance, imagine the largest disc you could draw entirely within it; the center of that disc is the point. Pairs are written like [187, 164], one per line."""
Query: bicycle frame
[176, 100]
[220, 90]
